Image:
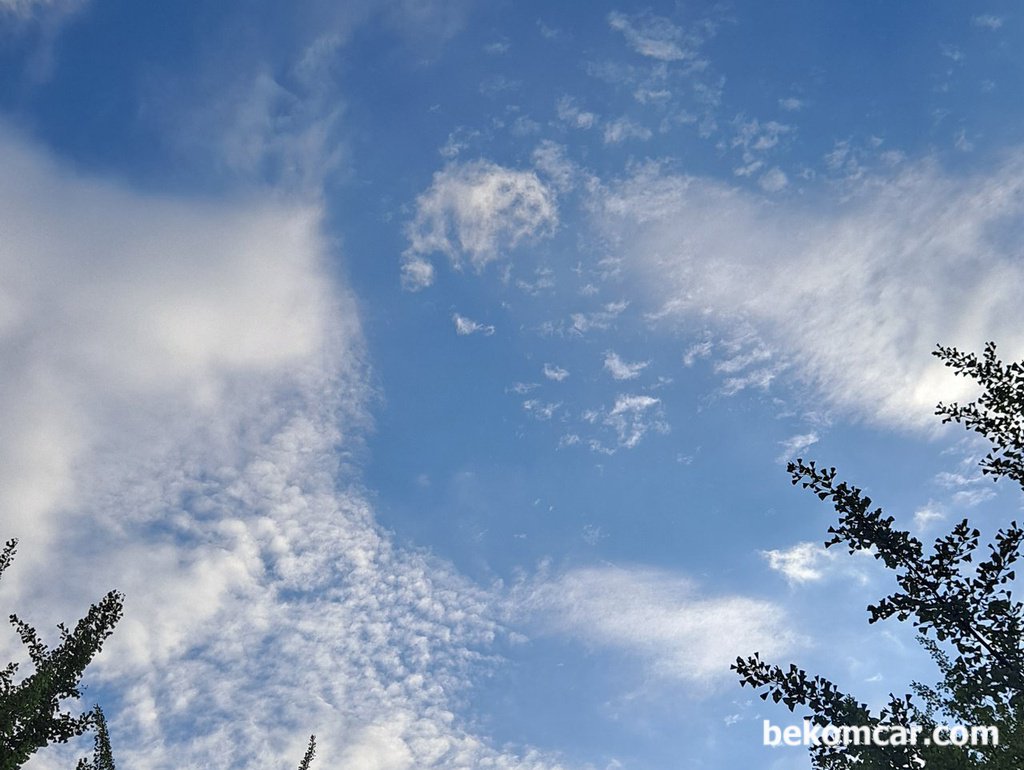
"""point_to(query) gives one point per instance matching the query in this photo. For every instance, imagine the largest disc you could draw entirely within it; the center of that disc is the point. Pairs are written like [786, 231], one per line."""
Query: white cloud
[551, 162]
[773, 180]
[745, 350]
[949, 480]
[623, 425]
[630, 417]
[968, 498]
[425, 24]
[270, 111]
[459, 140]
[968, 490]
[652, 96]
[126, 296]
[802, 563]
[697, 351]
[569, 439]
[569, 112]
[795, 445]
[952, 53]
[760, 379]
[653, 36]
[755, 140]
[928, 515]
[178, 379]
[962, 143]
[472, 213]
[808, 562]
[25, 8]
[555, 373]
[40, 23]
[465, 326]
[853, 294]
[662, 619]
[622, 129]
[581, 323]
[258, 128]
[540, 410]
[543, 280]
[791, 104]
[987, 21]
[417, 273]
[623, 370]
[749, 362]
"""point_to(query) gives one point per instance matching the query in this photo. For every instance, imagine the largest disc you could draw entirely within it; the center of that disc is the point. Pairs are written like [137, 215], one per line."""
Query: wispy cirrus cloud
[584, 322]
[270, 112]
[853, 296]
[793, 446]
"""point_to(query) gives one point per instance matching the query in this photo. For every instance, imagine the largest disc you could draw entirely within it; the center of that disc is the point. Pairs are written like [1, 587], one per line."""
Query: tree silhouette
[310, 753]
[950, 599]
[102, 756]
[30, 710]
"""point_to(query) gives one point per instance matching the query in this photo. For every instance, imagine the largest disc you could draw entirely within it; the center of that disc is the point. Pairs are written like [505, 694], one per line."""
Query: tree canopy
[31, 714]
[959, 600]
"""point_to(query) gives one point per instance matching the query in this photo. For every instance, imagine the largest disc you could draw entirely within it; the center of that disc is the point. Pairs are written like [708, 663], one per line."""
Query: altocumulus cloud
[183, 395]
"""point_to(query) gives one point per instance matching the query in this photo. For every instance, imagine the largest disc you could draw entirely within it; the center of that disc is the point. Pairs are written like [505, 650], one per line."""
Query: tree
[30, 710]
[954, 701]
[965, 613]
[102, 756]
[310, 753]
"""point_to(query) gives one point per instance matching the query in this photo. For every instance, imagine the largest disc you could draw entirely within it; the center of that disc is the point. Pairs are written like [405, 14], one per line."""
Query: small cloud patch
[465, 326]
[623, 370]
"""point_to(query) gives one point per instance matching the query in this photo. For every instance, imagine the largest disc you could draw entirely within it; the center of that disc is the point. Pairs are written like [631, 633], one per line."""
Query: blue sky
[425, 372]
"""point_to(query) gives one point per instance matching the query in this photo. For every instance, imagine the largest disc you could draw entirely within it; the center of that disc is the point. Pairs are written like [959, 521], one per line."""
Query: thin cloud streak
[662, 619]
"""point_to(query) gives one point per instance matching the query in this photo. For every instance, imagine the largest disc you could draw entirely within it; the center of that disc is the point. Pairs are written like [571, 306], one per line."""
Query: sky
[425, 371]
